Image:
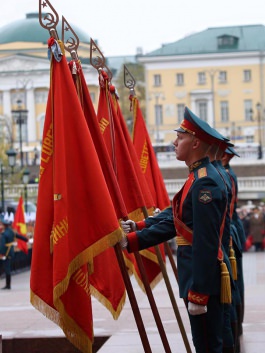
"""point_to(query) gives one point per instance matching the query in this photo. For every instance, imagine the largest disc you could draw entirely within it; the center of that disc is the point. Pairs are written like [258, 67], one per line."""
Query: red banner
[19, 226]
[107, 286]
[72, 197]
[146, 155]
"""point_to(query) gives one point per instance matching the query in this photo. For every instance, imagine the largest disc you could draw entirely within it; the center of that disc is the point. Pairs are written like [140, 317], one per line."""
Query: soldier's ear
[196, 142]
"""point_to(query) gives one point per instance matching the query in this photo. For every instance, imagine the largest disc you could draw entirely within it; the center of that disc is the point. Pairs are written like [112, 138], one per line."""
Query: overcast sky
[120, 26]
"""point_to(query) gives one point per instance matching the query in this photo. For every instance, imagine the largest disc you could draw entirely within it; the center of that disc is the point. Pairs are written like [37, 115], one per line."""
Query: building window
[222, 77]
[201, 78]
[249, 138]
[158, 120]
[180, 79]
[159, 114]
[180, 112]
[157, 80]
[227, 41]
[224, 111]
[247, 75]
[202, 110]
[248, 109]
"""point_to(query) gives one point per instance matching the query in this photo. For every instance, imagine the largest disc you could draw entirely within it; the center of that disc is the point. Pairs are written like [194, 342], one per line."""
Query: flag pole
[171, 295]
[129, 82]
[149, 293]
[98, 64]
[132, 298]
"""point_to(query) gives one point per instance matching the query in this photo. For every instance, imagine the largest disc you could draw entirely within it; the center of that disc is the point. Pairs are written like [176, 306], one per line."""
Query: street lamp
[25, 179]
[260, 152]
[20, 117]
[11, 154]
[11, 161]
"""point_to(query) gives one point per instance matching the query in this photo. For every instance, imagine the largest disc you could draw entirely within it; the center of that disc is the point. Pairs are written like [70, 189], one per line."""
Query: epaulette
[202, 172]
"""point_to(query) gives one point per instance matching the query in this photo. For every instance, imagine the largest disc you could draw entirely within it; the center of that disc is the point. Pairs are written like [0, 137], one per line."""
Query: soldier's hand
[157, 211]
[196, 309]
[124, 242]
[128, 226]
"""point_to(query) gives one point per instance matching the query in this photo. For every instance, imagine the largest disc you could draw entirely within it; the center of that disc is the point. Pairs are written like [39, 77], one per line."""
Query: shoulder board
[202, 172]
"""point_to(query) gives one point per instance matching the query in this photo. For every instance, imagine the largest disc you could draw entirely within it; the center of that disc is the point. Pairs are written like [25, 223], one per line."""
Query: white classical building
[25, 80]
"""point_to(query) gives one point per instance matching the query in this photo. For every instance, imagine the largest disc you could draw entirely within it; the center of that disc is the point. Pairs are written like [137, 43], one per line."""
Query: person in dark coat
[257, 227]
[199, 210]
[6, 249]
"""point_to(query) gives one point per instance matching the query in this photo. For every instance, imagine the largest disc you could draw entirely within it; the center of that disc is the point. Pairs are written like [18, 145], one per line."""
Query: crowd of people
[209, 234]
[253, 219]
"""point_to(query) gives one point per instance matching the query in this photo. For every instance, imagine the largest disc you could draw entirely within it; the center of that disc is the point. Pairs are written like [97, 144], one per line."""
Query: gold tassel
[233, 263]
[226, 296]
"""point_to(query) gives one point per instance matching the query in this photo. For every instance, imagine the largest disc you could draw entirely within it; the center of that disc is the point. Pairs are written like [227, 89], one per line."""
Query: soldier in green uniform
[6, 249]
[199, 210]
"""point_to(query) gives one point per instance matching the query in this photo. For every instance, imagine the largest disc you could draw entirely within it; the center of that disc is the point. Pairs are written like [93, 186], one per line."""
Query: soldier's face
[183, 146]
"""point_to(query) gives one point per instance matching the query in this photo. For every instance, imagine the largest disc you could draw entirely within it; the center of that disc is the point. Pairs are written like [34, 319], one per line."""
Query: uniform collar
[198, 164]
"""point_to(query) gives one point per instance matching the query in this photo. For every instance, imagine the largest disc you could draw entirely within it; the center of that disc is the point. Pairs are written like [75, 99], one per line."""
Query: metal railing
[13, 192]
[245, 185]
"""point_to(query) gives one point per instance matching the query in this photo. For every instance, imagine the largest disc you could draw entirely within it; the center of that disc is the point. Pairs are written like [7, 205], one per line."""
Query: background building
[25, 81]
[219, 74]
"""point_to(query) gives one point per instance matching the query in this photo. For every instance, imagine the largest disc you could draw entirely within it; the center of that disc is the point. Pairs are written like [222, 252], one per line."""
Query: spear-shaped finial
[129, 80]
[48, 17]
[97, 59]
[69, 37]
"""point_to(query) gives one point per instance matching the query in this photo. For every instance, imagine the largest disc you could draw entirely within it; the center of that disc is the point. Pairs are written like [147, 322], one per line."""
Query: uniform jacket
[203, 212]
[7, 237]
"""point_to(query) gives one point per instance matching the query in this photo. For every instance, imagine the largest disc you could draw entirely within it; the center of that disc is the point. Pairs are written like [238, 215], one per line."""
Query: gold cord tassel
[226, 296]
[233, 262]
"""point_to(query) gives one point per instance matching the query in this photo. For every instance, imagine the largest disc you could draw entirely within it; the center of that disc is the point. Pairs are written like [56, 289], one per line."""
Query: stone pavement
[20, 320]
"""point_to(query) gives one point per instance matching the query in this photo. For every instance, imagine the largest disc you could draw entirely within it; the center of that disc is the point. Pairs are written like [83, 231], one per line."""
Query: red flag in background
[72, 196]
[149, 256]
[146, 155]
[19, 225]
[129, 175]
[119, 153]
[107, 286]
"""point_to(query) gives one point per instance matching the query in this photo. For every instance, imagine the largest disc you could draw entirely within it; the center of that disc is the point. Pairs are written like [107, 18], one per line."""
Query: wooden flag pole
[171, 260]
[132, 298]
[97, 60]
[170, 292]
[129, 82]
[173, 300]
[152, 303]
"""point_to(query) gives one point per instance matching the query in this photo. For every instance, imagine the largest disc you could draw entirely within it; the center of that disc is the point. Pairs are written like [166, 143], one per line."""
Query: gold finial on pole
[48, 17]
[69, 37]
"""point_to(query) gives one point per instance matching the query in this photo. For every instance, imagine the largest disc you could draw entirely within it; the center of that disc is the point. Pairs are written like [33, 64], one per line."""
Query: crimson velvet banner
[147, 158]
[128, 172]
[149, 256]
[72, 197]
[107, 286]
